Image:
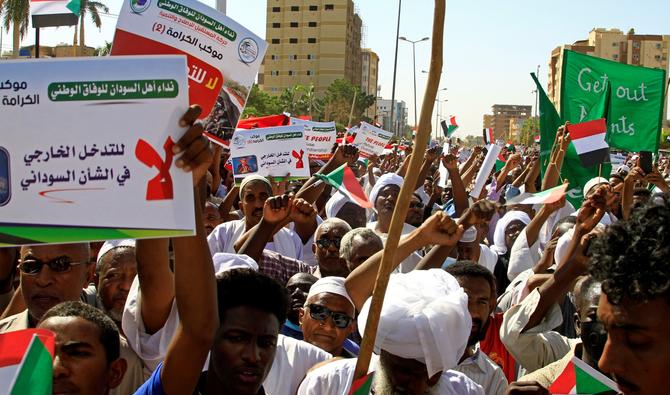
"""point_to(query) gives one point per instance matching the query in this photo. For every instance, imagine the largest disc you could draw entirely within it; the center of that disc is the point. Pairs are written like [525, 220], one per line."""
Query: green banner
[636, 101]
[113, 90]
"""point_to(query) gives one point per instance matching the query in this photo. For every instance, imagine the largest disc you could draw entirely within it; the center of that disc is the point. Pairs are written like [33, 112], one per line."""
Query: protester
[326, 248]
[358, 245]
[298, 287]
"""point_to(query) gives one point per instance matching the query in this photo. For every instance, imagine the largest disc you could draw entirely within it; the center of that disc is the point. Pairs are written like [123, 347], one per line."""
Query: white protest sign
[86, 150]
[223, 56]
[371, 140]
[320, 137]
[270, 152]
[485, 170]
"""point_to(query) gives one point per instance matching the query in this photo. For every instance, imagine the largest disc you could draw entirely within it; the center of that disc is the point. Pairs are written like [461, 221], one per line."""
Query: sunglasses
[58, 265]
[325, 243]
[320, 313]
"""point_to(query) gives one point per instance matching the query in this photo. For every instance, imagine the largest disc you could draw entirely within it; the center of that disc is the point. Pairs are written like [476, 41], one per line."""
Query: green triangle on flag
[363, 385]
[74, 6]
[580, 378]
[26, 361]
[345, 181]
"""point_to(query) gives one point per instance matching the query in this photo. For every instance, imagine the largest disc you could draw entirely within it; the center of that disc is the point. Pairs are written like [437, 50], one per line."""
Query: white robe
[223, 238]
[335, 378]
[487, 258]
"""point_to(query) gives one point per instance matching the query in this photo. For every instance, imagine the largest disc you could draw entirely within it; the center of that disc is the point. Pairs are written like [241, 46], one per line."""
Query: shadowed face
[386, 199]
[117, 271]
[254, 195]
[298, 288]
[479, 305]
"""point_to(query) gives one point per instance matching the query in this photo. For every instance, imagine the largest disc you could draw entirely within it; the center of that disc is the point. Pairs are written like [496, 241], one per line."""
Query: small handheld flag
[589, 141]
[26, 361]
[579, 378]
[450, 128]
[489, 137]
[545, 197]
[363, 385]
[344, 180]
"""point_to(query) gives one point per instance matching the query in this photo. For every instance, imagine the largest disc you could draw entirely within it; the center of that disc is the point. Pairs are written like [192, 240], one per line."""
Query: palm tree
[15, 14]
[92, 7]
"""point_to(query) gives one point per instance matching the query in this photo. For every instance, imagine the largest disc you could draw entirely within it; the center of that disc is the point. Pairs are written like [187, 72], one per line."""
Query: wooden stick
[402, 204]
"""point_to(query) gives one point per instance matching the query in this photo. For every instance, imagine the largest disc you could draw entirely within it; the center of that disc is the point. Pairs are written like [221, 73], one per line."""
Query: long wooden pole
[400, 212]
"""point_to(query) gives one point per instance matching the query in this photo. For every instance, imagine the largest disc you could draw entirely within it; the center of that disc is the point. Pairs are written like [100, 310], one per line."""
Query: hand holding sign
[196, 154]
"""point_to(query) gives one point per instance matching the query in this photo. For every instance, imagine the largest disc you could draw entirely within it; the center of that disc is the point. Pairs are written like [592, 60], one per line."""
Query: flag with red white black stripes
[589, 141]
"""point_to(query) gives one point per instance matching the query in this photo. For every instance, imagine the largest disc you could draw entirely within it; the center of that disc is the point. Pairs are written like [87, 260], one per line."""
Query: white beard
[382, 384]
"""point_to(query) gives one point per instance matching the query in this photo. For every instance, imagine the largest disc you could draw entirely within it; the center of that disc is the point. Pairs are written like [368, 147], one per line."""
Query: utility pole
[414, 62]
[395, 67]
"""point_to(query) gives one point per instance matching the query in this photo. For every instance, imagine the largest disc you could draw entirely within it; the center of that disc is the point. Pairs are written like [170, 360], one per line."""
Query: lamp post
[395, 67]
[437, 112]
[414, 62]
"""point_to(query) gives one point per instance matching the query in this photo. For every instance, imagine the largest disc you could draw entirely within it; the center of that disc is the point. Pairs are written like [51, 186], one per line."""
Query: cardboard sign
[371, 140]
[223, 56]
[320, 137]
[86, 150]
[270, 152]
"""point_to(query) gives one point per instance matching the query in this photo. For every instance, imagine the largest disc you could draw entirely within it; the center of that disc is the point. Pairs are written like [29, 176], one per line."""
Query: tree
[529, 129]
[105, 50]
[338, 101]
[16, 14]
[93, 8]
[261, 103]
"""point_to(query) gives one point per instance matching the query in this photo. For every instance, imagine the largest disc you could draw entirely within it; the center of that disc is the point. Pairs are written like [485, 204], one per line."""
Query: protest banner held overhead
[320, 137]
[271, 152]
[56, 173]
[223, 56]
[635, 110]
[371, 140]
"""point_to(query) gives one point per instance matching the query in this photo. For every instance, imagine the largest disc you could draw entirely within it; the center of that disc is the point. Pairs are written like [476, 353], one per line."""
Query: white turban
[499, 236]
[251, 178]
[335, 204]
[469, 236]
[425, 317]
[224, 261]
[331, 284]
[386, 179]
[112, 244]
[594, 182]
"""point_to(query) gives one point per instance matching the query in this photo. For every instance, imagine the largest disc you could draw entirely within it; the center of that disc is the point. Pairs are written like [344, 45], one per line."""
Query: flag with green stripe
[345, 181]
[363, 385]
[26, 362]
[580, 378]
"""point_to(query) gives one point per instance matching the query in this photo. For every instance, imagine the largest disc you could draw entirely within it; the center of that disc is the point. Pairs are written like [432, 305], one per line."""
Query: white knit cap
[425, 317]
[253, 177]
[330, 284]
[112, 244]
[224, 261]
[469, 236]
[595, 181]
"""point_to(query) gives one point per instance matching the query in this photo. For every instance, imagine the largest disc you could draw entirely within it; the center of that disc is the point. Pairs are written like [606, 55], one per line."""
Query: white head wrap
[224, 261]
[112, 244]
[331, 284]
[253, 177]
[469, 236]
[386, 179]
[425, 317]
[499, 236]
[335, 203]
[594, 182]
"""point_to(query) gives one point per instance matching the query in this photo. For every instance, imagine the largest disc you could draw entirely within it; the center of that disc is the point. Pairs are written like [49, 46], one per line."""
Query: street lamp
[414, 61]
[437, 112]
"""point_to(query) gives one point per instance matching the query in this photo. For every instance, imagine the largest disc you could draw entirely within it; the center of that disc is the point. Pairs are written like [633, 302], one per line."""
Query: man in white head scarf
[340, 206]
[384, 196]
[423, 330]
[470, 250]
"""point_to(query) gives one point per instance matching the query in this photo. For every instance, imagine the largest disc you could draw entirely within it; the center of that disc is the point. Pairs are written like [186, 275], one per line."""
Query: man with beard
[415, 212]
[254, 191]
[115, 270]
[479, 284]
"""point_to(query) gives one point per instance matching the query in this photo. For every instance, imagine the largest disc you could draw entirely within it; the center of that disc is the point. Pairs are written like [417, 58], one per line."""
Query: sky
[490, 47]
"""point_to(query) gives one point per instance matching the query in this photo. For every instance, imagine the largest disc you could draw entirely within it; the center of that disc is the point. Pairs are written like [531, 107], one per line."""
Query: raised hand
[657, 179]
[526, 388]
[479, 213]
[432, 154]
[277, 208]
[345, 154]
[450, 162]
[441, 229]
[279, 184]
[196, 154]
[302, 212]
[590, 214]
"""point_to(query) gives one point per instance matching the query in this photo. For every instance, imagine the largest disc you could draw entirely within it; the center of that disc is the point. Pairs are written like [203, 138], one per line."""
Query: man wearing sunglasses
[328, 317]
[50, 274]
[326, 248]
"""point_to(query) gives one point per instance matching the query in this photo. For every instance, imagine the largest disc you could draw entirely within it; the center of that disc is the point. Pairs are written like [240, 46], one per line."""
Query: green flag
[636, 103]
[572, 168]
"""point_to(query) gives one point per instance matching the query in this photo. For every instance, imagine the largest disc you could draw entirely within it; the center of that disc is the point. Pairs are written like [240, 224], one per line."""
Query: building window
[615, 44]
[273, 57]
[658, 45]
[275, 41]
[290, 72]
[294, 24]
[636, 44]
[329, 7]
[312, 24]
[657, 57]
[295, 57]
[309, 72]
[276, 25]
[293, 40]
[313, 8]
[276, 9]
[615, 56]
[295, 8]
[311, 57]
[311, 40]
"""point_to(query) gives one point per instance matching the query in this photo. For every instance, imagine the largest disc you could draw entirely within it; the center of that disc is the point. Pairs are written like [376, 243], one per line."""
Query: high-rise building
[505, 115]
[399, 115]
[369, 77]
[311, 42]
[648, 50]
